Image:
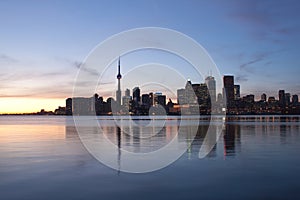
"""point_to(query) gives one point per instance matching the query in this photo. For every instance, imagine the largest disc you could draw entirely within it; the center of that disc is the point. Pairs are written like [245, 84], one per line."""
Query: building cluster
[235, 104]
[136, 104]
[199, 98]
[194, 98]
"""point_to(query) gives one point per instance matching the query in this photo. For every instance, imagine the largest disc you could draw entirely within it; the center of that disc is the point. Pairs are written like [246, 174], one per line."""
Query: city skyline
[44, 43]
[230, 91]
[193, 98]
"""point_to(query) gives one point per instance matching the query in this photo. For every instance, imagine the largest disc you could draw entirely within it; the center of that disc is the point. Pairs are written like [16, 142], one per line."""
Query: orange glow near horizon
[28, 105]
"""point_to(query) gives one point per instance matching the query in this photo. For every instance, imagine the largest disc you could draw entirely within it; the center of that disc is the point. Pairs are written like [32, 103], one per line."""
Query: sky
[43, 43]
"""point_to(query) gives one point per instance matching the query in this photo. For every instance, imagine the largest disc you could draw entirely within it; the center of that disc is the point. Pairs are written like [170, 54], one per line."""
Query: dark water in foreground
[255, 158]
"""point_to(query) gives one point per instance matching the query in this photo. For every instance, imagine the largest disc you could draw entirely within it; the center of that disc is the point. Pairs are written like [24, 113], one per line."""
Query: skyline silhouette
[204, 95]
[201, 95]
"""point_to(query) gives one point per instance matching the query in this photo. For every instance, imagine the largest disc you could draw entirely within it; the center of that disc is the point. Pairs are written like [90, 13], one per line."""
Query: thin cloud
[7, 59]
[78, 66]
[83, 67]
[241, 78]
[48, 91]
[23, 76]
[247, 65]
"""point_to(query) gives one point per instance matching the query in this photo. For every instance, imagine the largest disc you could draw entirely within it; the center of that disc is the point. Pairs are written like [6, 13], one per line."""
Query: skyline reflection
[138, 138]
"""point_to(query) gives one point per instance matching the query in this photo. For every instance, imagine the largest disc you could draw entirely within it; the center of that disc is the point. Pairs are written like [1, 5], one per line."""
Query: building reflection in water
[118, 133]
[136, 138]
[71, 133]
[201, 139]
[232, 139]
[286, 127]
[196, 140]
[112, 142]
[140, 137]
[192, 136]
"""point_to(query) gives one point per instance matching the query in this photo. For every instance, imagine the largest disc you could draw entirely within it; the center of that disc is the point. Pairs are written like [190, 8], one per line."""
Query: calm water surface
[255, 158]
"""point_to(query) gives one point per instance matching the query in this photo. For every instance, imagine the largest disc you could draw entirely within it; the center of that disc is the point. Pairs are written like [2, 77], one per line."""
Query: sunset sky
[42, 43]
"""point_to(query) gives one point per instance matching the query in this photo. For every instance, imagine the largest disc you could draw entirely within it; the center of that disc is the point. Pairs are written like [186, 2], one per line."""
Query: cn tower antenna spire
[119, 65]
[119, 76]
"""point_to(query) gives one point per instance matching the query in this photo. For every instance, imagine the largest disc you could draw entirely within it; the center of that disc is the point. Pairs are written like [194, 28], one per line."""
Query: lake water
[255, 157]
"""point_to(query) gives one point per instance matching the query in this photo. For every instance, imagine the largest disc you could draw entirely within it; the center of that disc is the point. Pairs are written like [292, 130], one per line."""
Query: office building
[263, 97]
[287, 98]
[281, 95]
[228, 91]
[69, 106]
[83, 106]
[146, 100]
[211, 85]
[136, 95]
[159, 99]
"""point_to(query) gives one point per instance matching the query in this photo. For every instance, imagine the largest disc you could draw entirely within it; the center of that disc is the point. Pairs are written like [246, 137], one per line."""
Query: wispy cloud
[241, 78]
[54, 82]
[263, 58]
[23, 76]
[58, 90]
[35, 84]
[82, 66]
[77, 65]
[257, 58]
[7, 59]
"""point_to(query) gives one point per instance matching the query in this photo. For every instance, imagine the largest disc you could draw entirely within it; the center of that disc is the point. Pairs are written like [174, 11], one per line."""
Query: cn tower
[118, 92]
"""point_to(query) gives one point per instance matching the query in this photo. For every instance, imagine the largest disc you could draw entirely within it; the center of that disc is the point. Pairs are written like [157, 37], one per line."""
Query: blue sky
[42, 42]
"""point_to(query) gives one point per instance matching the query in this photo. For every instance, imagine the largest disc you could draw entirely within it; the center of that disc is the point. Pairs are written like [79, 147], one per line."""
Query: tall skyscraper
[69, 109]
[211, 85]
[151, 96]
[287, 98]
[146, 100]
[159, 99]
[202, 93]
[118, 92]
[126, 100]
[281, 95]
[228, 88]
[136, 93]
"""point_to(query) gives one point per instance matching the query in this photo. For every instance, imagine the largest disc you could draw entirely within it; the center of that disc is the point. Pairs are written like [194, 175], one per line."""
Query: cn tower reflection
[118, 133]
